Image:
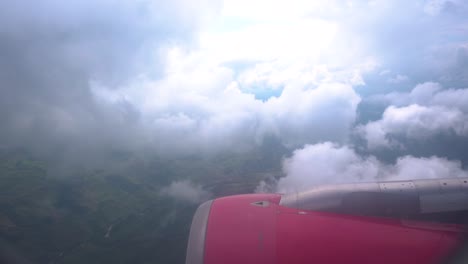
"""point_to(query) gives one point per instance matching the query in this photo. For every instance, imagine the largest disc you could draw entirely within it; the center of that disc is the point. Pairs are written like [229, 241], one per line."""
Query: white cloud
[409, 167]
[311, 115]
[454, 98]
[413, 122]
[421, 94]
[325, 163]
[427, 110]
[267, 42]
[309, 53]
[328, 163]
[186, 191]
[274, 10]
[431, 94]
[200, 106]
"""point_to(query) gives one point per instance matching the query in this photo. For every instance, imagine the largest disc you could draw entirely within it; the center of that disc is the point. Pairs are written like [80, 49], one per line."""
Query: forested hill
[110, 215]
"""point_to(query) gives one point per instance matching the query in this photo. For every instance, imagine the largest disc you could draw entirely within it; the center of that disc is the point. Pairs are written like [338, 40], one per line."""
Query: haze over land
[119, 117]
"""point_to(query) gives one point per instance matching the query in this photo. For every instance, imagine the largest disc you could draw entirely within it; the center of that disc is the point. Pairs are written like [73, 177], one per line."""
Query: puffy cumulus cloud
[409, 167]
[426, 94]
[186, 191]
[295, 53]
[413, 122]
[325, 163]
[312, 115]
[199, 107]
[179, 77]
[428, 110]
[328, 163]
[132, 78]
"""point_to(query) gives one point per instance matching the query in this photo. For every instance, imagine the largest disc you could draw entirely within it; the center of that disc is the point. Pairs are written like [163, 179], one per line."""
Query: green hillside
[114, 214]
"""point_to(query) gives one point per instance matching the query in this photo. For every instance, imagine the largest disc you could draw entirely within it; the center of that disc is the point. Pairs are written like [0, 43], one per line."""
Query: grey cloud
[51, 51]
[398, 79]
[406, 39]
[437, 7]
